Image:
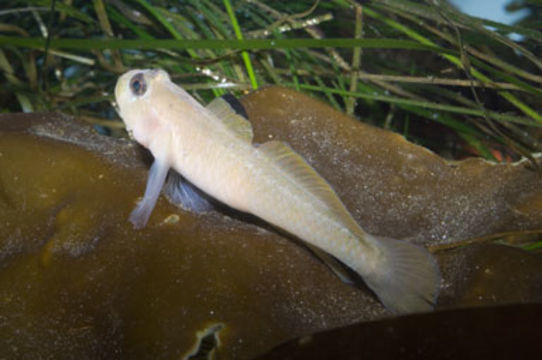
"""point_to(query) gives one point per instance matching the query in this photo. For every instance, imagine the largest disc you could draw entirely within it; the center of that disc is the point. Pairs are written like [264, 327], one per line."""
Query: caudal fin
[407, 280]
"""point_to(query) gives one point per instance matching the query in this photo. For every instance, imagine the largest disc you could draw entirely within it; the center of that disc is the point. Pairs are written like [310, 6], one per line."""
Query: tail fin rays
[408, 280]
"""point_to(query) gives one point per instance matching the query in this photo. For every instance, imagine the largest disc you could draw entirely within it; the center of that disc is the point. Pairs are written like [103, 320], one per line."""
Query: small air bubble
[171, 219]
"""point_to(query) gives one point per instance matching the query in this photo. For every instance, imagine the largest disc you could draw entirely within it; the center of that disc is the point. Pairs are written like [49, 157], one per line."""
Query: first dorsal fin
[233, 116]
[294, 166]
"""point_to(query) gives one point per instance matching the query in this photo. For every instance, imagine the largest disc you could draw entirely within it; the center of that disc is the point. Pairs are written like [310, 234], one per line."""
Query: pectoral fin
[181, 192]
[157, 176]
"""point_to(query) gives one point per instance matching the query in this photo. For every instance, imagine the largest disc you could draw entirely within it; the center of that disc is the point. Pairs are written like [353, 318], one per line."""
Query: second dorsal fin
[230, 111]
[295, 167]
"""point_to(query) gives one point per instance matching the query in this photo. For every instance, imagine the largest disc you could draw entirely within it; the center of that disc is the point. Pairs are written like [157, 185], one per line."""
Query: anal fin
[332, 263]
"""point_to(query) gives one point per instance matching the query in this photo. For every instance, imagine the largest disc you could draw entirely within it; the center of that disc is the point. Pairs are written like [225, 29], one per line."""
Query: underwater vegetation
[420, 68]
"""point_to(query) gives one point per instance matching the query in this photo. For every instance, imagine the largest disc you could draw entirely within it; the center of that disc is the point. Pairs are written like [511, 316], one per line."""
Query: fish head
[138, 94]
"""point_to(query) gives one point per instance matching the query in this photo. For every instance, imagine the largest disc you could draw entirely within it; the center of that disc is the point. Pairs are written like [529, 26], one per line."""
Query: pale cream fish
[211, 148]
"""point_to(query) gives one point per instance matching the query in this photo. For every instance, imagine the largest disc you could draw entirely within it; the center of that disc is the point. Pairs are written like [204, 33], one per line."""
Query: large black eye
[138, 85]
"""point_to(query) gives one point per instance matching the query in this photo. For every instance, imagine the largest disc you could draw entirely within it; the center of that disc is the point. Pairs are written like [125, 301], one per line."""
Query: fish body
[212, 148]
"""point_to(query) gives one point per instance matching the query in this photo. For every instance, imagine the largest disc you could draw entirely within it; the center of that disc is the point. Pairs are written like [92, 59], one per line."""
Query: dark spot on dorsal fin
[235, 105]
